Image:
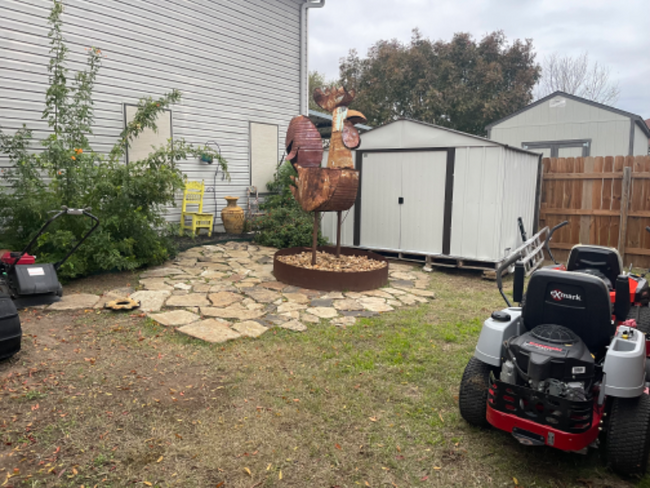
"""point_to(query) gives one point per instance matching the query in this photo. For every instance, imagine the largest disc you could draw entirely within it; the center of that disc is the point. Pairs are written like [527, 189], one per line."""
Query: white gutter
[304, 67]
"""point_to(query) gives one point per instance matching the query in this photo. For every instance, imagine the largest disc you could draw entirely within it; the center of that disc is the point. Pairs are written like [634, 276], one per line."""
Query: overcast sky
[616, 33]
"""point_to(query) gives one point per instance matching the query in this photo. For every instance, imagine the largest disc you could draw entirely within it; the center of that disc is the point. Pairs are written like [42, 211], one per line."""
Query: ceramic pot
[233, 216]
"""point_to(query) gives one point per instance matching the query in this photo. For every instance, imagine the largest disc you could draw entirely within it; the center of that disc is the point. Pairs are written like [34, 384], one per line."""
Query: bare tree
[577, 76]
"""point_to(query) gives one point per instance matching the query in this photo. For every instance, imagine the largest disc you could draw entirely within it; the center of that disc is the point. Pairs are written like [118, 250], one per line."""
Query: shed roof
[637, 118]
[487, 142]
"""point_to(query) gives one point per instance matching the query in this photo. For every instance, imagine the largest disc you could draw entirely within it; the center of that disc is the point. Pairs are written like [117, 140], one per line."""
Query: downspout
[304, 68]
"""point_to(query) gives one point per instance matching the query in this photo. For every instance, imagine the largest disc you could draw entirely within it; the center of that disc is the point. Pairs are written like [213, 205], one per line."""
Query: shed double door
[403, 201]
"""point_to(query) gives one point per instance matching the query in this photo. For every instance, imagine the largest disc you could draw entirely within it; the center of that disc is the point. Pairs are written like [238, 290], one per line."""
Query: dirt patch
[329, 262]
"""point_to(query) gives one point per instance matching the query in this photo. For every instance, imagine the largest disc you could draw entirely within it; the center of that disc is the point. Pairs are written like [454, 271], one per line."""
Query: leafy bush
[129, 200]
[284, 223]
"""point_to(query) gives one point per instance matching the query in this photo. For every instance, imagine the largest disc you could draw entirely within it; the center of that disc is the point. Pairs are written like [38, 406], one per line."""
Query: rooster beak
[355, 117]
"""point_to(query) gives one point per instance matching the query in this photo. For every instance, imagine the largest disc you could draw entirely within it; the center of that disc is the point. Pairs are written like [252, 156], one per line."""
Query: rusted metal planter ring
[316, 279]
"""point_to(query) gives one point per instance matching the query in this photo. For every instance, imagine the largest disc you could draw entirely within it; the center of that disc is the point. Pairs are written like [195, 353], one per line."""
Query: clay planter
[315, 279]
[233, 216]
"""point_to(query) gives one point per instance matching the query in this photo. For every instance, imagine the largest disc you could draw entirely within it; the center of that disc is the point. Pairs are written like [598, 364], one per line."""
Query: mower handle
[550, 236]
[64, 210]
[502, 267]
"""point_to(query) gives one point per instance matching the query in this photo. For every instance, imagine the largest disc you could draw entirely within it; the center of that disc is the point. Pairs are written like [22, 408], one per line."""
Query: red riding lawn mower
[606, 264]
[565, 370]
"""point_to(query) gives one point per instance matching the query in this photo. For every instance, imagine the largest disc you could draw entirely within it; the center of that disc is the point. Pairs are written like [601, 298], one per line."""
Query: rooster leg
[314, 240]
[338, 234]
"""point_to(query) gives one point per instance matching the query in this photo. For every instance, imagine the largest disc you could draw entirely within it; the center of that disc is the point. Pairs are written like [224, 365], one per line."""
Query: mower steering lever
[550, 236]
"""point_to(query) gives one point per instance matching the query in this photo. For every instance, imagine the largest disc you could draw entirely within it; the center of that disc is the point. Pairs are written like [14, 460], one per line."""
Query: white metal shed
[431, 193]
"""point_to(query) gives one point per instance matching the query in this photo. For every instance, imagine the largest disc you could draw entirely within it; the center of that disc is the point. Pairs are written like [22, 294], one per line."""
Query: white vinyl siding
[235, 61]
[608, 131]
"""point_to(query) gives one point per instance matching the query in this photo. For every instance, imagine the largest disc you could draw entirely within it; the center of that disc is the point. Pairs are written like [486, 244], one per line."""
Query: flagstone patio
[222, 292]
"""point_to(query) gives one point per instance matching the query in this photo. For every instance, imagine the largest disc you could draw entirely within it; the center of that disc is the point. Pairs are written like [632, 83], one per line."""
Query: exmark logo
[559, 295]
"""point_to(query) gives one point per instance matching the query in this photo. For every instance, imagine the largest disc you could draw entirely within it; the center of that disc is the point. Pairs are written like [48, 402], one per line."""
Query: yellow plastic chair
[193, 197]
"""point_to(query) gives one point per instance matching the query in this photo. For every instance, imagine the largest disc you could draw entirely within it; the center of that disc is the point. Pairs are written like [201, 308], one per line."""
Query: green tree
[130, 200]
[316, 80]
[462, 84]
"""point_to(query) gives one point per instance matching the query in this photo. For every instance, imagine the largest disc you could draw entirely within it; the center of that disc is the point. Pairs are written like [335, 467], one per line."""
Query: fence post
[625, 204]
[587, 221]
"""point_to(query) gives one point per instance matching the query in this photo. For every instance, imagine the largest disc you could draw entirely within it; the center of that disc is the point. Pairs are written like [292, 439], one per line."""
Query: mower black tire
[628, 435]
[472, 399]
[642, 317]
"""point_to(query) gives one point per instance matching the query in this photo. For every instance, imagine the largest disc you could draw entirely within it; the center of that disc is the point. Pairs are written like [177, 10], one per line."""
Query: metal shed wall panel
[381, 186]
[478, 196]
[566, 120]
[423, 210]
[519, 198]
[641, 142]
[235, 61]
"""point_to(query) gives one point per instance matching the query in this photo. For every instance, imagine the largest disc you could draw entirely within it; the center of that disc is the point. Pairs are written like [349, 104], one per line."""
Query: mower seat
[577, 301]
[604, 262]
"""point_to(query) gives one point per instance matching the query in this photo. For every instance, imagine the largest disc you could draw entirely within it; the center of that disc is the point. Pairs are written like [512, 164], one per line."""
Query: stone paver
[75, 302]
[290, 307]
[161, 272]
[260, 294]
[323, 312]
[224, 298]
[374, 304]
[174, 318]
[151, 301]
[347, 304]
[297, 297]
[231, 313]
[210, 330]
[294, 325]
[190, 300]
[234, 281]
[156, 284]
[249, 328]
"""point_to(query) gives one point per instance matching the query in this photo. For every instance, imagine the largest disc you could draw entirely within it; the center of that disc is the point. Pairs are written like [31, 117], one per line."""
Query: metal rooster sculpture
[334, 188]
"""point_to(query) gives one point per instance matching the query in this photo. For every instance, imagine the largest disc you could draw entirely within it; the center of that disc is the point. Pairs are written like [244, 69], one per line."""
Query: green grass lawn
[113, 400]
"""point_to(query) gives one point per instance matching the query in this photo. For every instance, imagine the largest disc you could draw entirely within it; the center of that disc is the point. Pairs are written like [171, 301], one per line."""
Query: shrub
[129, 200]
[284, 223]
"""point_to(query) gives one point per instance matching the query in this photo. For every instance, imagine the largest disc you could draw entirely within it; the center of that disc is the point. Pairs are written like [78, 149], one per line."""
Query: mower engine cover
[35, 279]
[552, 351]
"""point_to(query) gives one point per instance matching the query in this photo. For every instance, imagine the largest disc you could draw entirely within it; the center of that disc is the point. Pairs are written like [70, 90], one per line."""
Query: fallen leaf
[515, 480]
[280, 475]
[148, 483]
[248, 471]
[159, 459]
[424, 478]
[437, 468]
[220, 484]
[337, 446]
[373, 419]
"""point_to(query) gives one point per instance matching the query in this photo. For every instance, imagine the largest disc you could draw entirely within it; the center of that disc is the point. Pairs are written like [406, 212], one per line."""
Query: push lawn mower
[560, 371]
[29, 284]
[606, 263]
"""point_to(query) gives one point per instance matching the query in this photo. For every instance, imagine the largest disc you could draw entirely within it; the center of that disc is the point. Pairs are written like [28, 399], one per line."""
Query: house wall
[235, 61]
[562, 119]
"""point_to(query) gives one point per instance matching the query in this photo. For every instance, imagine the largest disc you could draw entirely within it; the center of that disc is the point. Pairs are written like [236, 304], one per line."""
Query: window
[263, 154]
[142, 146]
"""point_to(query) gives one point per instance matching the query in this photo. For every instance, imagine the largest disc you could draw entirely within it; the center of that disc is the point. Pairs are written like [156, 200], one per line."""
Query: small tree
[130, 200]
[577, 76]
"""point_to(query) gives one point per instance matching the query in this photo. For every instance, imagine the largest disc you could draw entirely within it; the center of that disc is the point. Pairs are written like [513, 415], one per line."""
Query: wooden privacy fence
[606, 201]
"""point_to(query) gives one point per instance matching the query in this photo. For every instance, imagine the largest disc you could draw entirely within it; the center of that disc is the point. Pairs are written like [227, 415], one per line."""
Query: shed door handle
[400, 200]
